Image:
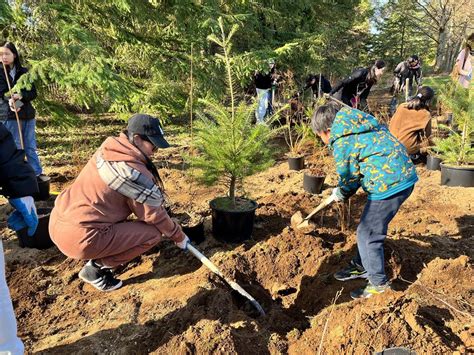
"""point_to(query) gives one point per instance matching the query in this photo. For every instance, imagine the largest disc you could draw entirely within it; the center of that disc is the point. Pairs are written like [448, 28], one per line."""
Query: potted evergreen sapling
[314, 175]
[313, 179]
[293, 127]
[433, 159]
[295, 136]
[230, 148]
[456, 150]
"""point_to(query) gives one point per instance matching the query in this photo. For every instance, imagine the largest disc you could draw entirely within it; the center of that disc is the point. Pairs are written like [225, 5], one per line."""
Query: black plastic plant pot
[313, 184]
[43, 186]
[195, 232]
[457, 175]
[41, 238]
[232, 225]
[433, 163]
[296, 163]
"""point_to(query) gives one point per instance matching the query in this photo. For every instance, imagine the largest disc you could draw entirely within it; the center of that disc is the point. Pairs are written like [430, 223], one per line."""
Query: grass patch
[436, 82]
[439, 81]
[66, 146]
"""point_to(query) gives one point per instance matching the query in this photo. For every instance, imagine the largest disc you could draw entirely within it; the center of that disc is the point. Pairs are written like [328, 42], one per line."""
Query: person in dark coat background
[26, 113]
[355, 89]
[408, 69]
[18, 184]
[264, 83]
[313, 81]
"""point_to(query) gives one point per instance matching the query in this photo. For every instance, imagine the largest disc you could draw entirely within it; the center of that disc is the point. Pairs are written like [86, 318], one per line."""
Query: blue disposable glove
[25, 215]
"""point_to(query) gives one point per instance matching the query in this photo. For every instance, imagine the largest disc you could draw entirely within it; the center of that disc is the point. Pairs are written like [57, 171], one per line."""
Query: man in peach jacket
[89, 219]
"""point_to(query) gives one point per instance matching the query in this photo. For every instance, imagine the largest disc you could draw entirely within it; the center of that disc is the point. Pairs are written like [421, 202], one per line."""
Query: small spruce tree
[230, 146]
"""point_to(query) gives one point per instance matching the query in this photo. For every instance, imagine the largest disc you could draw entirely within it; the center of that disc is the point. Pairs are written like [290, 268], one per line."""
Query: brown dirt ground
[171, 304]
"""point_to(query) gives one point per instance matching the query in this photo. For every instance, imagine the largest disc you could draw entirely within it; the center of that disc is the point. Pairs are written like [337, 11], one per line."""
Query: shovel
[329, 97]
[232, 284]
[297, 220]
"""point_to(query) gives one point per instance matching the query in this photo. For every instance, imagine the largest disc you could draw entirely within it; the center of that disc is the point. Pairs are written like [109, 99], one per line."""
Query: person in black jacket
[408, 69]
[264, 83]
[22, 100]
[313, 82]
[355, 89]
[18, 183]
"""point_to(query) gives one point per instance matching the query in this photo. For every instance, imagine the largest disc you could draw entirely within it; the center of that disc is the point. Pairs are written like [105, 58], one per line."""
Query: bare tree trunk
[232, 190]
[454, 50]
[441, 49]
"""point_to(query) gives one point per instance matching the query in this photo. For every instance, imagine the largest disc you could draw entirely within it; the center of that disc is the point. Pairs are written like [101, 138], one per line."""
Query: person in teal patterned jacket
[367, 155]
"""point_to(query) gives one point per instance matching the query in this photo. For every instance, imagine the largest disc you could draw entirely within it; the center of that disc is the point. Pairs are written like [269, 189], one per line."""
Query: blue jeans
[264, 97]
[371, 234]
[28, 129]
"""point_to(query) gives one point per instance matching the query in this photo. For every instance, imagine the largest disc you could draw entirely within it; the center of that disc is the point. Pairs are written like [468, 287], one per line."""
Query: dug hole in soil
[171, 304]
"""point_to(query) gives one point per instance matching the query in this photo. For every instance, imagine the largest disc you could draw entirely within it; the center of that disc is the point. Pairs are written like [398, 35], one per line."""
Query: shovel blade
[296, 219]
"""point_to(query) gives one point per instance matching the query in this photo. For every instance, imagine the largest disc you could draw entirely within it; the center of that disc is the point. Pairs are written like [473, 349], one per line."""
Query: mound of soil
[170, 303]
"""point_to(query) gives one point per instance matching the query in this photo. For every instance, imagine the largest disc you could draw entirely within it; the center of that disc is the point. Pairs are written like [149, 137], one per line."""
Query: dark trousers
[372, 231]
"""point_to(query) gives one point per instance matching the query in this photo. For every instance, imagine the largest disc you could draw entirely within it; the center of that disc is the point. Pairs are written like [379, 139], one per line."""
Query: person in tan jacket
[411, 123]
[89, 218]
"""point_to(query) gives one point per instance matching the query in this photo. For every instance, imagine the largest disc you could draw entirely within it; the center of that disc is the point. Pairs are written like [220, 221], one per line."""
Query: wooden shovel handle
[322, 205]
[16, 111]
[329, 97]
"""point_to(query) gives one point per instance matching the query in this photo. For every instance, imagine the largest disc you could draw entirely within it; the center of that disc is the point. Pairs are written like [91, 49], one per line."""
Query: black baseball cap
[148, 126]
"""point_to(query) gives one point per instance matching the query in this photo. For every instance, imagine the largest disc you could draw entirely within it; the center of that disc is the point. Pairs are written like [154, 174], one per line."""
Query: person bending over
[411, 124]
[355, 89]
[367, 156]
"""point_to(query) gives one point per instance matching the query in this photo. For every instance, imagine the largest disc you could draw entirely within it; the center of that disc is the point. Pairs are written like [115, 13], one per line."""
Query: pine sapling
[230, 146]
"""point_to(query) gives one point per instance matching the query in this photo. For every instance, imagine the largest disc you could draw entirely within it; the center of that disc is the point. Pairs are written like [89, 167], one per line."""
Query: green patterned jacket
[367, 155]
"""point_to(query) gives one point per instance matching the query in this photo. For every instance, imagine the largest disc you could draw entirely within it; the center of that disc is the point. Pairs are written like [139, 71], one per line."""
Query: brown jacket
[90, 204]
[409, 126]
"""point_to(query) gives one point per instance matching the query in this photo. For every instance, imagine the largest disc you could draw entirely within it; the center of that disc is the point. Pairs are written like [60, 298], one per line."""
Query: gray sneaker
[101, 278]
[353, 271]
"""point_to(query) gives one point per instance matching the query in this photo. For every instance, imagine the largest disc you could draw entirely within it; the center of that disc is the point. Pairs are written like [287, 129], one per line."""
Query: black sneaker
[101, 278]
[353, 271]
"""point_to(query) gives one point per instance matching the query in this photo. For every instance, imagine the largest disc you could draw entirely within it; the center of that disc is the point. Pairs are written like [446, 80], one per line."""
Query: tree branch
[433, 17]
[423, 30]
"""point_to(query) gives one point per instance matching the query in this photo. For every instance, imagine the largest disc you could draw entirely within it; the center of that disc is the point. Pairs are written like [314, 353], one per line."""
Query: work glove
[337, 195]
[15, 105]
[184, 243]
[24, 215]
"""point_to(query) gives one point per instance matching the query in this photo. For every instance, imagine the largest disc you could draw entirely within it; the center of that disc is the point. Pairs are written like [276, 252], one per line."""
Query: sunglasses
[145, 138]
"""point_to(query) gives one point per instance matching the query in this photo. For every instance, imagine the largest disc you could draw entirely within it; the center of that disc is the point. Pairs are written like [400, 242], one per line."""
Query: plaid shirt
[129, 182]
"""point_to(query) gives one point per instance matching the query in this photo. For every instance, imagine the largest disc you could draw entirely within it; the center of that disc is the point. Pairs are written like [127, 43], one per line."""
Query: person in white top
[464, 64]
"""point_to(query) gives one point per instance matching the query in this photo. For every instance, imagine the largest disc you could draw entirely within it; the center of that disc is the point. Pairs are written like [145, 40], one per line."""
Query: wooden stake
[16, 112]
[191, 102]
[407, 88]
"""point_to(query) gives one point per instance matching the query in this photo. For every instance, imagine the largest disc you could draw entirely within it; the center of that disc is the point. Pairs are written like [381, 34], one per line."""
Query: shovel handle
[327, 96]
[204, 259]
[323, 204]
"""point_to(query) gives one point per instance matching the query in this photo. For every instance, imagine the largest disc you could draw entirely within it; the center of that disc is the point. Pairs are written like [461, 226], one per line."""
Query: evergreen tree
[230, 146]
[129, 56]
